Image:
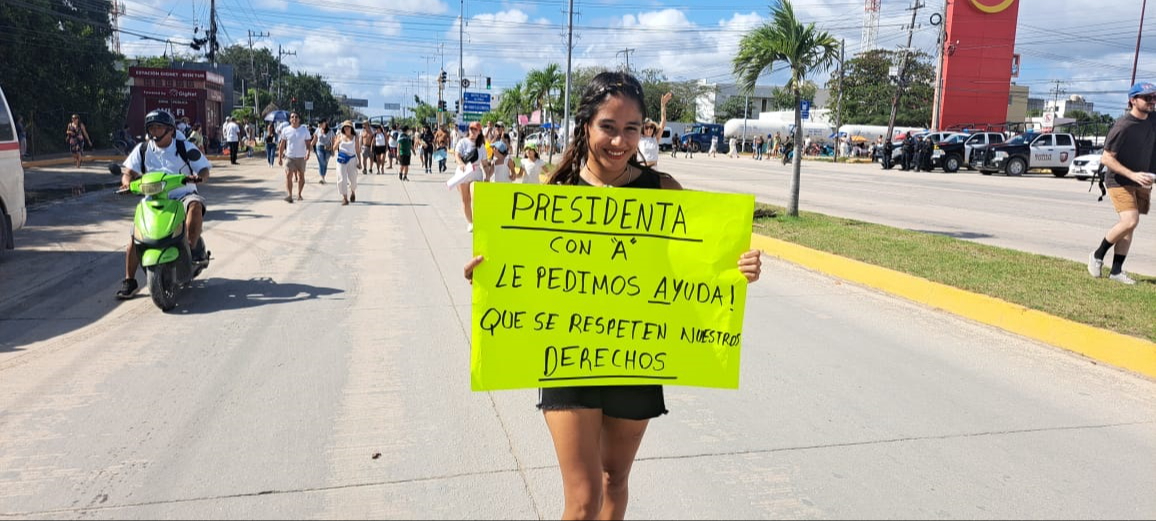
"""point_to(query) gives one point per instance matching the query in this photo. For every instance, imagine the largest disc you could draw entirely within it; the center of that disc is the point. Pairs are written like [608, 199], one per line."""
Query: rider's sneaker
[128, 289]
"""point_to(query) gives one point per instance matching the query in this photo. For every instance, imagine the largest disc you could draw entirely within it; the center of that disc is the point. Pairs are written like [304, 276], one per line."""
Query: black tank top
[647, 179]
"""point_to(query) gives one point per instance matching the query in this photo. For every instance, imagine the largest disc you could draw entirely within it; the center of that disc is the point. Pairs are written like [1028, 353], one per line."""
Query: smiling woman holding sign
[597, 430]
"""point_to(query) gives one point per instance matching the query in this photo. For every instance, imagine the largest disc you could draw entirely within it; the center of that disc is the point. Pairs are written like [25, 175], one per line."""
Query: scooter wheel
[163, 287]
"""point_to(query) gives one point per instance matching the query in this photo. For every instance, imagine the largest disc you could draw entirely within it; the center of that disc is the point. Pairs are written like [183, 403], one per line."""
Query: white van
[12, 211]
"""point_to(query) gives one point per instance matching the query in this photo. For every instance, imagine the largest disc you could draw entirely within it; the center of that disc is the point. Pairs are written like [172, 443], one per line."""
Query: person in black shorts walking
[597, 430]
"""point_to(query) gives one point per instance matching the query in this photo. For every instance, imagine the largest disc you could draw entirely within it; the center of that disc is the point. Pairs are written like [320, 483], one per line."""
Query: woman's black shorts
[379, 151]
[629, 402]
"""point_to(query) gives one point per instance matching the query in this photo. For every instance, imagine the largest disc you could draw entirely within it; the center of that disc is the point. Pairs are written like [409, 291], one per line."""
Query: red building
[978, 62]
[183, 92]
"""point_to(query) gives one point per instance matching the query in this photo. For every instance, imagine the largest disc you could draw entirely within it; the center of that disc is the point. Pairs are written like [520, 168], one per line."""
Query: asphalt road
[1037, 213]
[320, 370]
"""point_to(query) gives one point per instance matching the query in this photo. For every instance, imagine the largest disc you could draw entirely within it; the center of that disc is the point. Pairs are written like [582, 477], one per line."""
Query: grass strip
[1055, 286]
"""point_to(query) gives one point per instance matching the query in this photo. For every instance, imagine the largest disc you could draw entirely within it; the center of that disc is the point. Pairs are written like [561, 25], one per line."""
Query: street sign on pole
[353, 102]
[477, 97]
[476, 107]
[806, 106]
[308, 105]
[465, 83]
[393, 106]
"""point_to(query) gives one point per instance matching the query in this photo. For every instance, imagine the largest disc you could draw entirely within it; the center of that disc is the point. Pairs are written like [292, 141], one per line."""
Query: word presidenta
[605, 210]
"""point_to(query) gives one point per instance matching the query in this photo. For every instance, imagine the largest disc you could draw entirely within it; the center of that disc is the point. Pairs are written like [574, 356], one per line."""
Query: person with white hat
[345, 149]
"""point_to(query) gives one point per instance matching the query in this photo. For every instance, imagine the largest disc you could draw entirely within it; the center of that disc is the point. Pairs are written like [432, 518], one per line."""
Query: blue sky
[388, 50]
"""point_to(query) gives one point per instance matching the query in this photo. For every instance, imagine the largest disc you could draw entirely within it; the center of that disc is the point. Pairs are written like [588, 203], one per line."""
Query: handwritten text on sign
[607, 286]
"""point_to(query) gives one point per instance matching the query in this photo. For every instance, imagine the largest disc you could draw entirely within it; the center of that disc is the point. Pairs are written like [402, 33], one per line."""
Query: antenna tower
[870, 25]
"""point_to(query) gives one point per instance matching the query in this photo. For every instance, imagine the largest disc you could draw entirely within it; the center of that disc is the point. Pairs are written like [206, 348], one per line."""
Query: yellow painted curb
[1127, 352]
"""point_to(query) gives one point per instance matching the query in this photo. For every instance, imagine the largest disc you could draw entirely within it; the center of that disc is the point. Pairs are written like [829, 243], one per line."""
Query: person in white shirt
[531, 166]
[503, 164]
[232, 133]
[713, 147]
[322, 146]
[733, 149]
[345, 148]
[161, 154]
[294, 145]
[469, 154]
[651, 132]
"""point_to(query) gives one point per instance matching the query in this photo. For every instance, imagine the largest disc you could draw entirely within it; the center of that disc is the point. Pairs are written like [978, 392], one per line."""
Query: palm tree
[540, 84]
[513, 102]
[803, 49]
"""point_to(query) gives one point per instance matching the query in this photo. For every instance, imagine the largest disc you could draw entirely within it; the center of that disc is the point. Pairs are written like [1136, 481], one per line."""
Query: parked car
[12, 206]
[538, 140]
[1088, 165]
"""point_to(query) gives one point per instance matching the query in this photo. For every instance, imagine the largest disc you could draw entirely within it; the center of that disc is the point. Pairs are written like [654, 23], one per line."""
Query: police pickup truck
[1047, 150]
[954, 153]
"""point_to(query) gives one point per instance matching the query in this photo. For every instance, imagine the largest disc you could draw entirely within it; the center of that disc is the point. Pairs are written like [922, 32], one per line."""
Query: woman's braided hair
[600, 89]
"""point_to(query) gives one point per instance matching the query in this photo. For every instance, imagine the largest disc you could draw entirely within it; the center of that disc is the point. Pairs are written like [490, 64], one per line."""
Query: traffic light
[441, 105]
[487, 83]
[456, 106]
[442, 77]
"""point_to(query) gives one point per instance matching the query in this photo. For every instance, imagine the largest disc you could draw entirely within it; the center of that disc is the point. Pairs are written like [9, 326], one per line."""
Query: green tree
[803, 48]
[734, 108]
[55, 61]
[781, 99]
[309, 87]
[540, 85]
[514, 101]
[256, 68]
[868, 90]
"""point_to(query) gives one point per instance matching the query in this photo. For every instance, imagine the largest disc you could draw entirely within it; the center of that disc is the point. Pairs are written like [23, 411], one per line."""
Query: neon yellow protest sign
[607, 286]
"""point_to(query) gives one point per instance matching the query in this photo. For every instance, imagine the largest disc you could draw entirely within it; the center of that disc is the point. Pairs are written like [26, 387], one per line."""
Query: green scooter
[160, 240]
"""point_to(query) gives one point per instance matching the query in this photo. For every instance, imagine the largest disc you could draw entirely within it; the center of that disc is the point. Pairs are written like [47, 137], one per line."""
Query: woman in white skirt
[468, 152]
[345, 149]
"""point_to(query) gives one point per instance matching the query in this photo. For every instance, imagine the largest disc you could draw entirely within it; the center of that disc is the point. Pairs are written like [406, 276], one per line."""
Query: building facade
[194, 94]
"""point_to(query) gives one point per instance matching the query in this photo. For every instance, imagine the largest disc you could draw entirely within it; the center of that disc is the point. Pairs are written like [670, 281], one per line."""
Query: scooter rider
[163, 154]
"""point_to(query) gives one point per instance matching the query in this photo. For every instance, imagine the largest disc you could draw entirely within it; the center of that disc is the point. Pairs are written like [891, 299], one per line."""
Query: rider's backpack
[182, 152]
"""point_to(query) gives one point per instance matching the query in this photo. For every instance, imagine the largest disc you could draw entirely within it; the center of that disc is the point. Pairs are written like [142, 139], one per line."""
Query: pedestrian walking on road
[345, 148]
[270, 143]
[597, 430]
[469, 152]
[1130, 158]
[404, 153]
[295, 145]
[232, 132]
[77, 134]
[441, 143]
[323, 146]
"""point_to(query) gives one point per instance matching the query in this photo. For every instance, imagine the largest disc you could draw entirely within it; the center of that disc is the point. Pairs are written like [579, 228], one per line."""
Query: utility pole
[1136, 58]
[252, 68]
[902, 81]
[626, 52]
[251, 35]
[839, 101]
[281, 53]
[935, 100]
[213, 34]
[1056, 92]
[569, 55]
